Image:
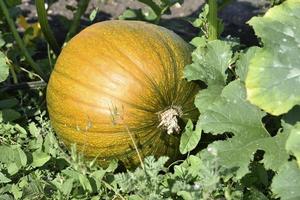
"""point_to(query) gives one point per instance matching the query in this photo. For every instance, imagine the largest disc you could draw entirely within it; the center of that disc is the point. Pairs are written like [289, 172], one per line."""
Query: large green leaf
[273, 80]
[231, 112]
[286, 184]
[210, 63]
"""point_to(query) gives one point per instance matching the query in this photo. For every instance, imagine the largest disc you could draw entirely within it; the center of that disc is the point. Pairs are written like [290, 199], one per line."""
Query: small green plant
[152, 13]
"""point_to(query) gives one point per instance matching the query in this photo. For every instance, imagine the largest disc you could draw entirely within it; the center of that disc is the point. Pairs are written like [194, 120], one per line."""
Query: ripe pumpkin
[118, 79]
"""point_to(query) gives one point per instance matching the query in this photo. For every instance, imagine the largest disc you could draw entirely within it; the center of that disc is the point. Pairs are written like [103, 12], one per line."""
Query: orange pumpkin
[118, 79]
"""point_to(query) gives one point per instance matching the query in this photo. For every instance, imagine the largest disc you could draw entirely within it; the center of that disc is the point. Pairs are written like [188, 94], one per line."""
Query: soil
[234, 16]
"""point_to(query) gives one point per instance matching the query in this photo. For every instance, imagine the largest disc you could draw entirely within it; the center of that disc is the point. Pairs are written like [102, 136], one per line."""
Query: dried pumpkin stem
[169, 119]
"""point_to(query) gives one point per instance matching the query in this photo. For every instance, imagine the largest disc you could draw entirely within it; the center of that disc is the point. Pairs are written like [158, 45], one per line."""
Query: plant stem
[81, 8]
[212, 20]
[14, 77]
[13, 73]
[19, 40]
[43, 20]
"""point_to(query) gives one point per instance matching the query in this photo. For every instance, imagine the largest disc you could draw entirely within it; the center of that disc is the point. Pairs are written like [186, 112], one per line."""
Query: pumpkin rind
[119, 74]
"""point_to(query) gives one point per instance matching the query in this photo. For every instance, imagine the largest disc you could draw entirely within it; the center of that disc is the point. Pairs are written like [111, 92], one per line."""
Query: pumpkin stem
[169, 119]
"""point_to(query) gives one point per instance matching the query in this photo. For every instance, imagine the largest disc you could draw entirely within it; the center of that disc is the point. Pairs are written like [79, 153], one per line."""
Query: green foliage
[231, 78]
[201, 21]
[15, 71]
[37, 166]
[210, 63]
[152, 13]
[189, 138]
[207, 21]
[227, 110]
[232, 113]
[138, 14]
[293, 142]
[243, 63]
[274, 71]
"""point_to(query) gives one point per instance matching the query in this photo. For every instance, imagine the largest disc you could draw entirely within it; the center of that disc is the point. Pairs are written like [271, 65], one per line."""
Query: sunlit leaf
[210, 63]
[286, 183]
[273, 80]
[293, 142]
[39, 158]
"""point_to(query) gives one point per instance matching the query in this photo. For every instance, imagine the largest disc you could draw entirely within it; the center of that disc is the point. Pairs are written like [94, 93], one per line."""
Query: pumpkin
[118, 88]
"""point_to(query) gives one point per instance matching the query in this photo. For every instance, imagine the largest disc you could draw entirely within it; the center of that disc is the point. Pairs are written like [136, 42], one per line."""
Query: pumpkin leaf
[293, 142]
[286, 183]
[189, 138]
[231, 112]
[273, 80]
[198, 42]
[210, 63]
[243, 63]
[205, 98]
